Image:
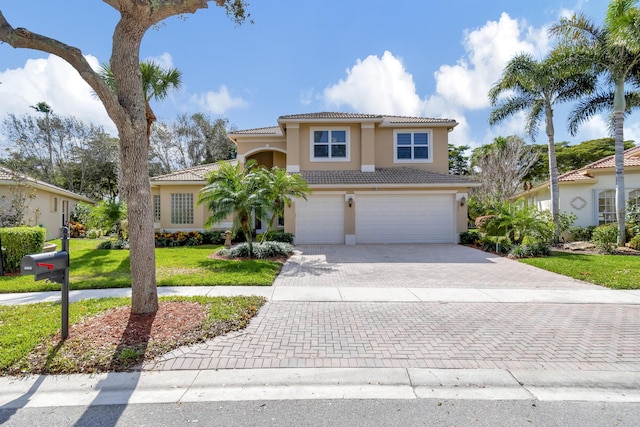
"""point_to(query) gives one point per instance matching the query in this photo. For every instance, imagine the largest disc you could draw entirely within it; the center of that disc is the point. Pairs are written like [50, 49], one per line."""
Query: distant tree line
[84, 158]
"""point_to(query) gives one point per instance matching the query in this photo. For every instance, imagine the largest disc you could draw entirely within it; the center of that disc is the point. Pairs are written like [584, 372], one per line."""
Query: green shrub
[93, 233]
[530, 250]
[18, 242]
[605, 237]
[582, 234]
[277, 236]
[114, 244]
[634, 243]
[470, 237]
[178, 238]
[107, 216]
[260, 250]
[498, 244]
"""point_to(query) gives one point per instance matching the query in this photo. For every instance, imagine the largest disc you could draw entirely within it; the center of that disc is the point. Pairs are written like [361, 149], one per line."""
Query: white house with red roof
[590, 192]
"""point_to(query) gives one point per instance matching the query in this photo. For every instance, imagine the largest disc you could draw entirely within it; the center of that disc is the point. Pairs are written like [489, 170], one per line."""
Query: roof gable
[192, 174]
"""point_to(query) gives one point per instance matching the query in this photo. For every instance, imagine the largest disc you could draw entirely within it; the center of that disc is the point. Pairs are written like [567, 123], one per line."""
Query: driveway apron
[454, 333]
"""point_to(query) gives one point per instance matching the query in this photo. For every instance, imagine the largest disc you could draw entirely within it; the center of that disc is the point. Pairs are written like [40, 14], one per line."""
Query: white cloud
[376, 85]
[488, 49]
[164, 60]
[55, 82]
[218, 102]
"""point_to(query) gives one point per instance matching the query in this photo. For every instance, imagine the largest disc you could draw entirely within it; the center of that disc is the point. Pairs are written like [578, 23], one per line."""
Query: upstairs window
[329, 144]
[412, 146]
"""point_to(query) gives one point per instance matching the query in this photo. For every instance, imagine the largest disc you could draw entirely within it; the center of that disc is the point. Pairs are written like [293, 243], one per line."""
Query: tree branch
[23, 38]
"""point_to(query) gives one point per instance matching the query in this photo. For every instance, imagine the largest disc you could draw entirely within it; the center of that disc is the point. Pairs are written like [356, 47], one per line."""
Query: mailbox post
[52, 266]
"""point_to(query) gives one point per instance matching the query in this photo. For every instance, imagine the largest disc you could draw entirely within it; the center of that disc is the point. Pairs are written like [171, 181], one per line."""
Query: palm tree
[156, 83]
[613, 50]
[536, 87]
[282, 187]
[241, 192]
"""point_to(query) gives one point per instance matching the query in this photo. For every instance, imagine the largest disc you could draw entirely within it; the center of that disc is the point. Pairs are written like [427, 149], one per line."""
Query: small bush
[605, 237]
[530, 250]
[212, 237]
[470, 237]
[93, 233]
[77, 230]
[582, 234]
[114, 244]
[18, 242]
[178, 238]
[635, 242]
[260, 250]
[501, 245]
[278, 236]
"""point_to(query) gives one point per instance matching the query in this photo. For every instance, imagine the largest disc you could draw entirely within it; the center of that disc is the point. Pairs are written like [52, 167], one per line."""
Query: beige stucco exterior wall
[440, 150]
[200, 212]
[46, 209]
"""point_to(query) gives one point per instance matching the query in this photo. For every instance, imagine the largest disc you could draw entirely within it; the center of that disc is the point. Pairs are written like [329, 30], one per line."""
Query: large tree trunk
[619, 105]
[134, 158]
[553, 175]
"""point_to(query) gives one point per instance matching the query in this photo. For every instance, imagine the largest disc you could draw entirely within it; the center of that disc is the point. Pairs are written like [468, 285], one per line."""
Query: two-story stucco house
[374, 179]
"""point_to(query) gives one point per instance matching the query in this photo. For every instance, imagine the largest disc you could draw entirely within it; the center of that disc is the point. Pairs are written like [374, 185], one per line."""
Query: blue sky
[406, 57]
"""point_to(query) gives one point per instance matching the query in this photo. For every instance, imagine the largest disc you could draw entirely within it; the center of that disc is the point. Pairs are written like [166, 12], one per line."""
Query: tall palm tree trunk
[619, 106]
[553, 175]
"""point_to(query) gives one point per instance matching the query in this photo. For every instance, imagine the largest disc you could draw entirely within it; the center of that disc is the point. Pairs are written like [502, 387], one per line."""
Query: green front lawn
[612, 271]
[93, 268]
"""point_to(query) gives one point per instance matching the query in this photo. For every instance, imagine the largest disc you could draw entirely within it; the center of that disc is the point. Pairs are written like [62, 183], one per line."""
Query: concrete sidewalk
[360, 294]
[300, 384]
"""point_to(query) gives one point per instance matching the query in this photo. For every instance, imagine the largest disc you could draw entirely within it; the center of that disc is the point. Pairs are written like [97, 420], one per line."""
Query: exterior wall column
[293, 147]
[367, 148]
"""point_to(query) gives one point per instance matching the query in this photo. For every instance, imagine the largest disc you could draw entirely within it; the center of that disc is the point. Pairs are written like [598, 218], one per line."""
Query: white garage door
[320, 220]
[405, 218]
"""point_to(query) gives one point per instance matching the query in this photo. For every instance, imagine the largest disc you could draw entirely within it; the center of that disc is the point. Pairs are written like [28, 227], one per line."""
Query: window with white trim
[634, 198]
[329, 144]
[156, 207]
[412, 146]
[606, 207]
[182, 208]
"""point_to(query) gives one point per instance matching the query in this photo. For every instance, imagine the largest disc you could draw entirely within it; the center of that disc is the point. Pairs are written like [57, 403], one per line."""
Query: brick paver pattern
[414, 266]
[425, 335]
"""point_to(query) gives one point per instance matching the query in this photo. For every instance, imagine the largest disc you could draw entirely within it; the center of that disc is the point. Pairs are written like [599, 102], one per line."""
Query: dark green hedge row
[18, 242]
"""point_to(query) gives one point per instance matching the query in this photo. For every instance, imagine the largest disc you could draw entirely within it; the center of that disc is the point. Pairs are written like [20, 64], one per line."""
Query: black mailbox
[48, 265]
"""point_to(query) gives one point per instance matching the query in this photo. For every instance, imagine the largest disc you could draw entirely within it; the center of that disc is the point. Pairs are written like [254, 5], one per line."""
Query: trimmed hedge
[18, 242]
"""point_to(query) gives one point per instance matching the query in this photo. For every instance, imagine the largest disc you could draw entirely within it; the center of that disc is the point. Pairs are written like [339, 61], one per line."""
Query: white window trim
[412, 131]
[312, 158]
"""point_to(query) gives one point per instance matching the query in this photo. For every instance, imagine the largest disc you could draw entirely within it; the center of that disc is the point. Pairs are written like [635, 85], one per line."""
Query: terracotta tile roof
[7, 176]
[328, 115]
[401, 175]
[272, 130]
[384, 119]
[631, 158]
[193, 174]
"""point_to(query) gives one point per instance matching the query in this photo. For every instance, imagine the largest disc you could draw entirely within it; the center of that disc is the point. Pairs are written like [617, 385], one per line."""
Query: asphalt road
[422, 412]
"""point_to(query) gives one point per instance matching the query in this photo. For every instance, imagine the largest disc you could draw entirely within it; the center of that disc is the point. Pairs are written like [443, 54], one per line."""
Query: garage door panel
[320, 220]
[405, 219]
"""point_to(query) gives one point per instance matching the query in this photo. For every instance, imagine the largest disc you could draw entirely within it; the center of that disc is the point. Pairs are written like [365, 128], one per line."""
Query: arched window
[606, 206]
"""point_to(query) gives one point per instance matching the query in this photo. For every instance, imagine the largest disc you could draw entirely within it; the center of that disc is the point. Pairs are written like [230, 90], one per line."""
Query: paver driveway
[458, 332]
[414, 266]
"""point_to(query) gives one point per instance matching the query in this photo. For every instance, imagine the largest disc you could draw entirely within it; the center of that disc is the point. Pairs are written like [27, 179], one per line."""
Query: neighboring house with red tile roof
[589, 192]
[374, 179]
[46, 207]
